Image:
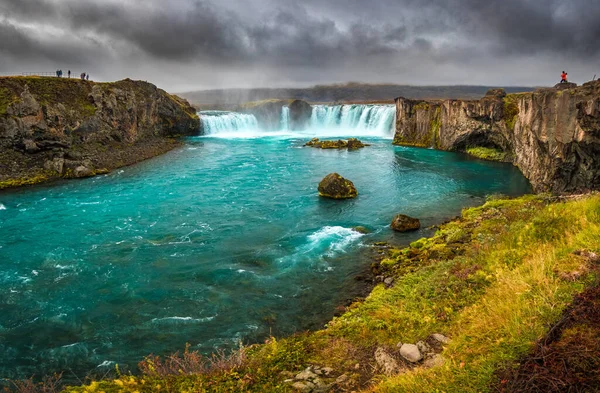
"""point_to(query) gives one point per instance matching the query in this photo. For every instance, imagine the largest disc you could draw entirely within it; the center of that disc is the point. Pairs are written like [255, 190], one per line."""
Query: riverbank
[493, 281]
[53, 128]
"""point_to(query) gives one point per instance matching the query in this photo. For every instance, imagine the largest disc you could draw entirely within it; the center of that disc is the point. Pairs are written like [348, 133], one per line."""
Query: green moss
[26, 181]
[436, 126]
[511, 110]
[486, 153]
[6, 99]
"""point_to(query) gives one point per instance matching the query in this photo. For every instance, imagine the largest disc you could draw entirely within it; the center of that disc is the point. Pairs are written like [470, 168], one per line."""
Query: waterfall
[285, 118]
[327, 121]
[376, 120]
[215, 122]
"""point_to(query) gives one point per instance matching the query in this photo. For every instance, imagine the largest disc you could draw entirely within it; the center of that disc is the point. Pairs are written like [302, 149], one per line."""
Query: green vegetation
[493, 281]
[511, 110]
[6, 99]
[487, 153]
[27, 181]
[72, 93]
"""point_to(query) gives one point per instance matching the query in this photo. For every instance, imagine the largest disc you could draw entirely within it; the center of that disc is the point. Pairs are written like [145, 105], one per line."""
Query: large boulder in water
[336, 187]
[300, 114]
[402, 223]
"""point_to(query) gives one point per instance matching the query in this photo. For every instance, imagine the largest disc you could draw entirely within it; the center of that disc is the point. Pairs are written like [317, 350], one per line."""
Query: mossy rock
[335, 186]
[404, 223]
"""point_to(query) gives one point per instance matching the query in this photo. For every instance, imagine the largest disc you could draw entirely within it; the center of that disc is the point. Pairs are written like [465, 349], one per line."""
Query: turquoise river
[220, 241]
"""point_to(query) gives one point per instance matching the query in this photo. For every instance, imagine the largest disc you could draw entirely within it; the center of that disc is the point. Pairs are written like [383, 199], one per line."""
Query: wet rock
[354, 143]
[336, 187]
[360, 229]
[350, 144]
[411, 353]
[441, 338]
[83, 171]
[404, 223]
[386, 362]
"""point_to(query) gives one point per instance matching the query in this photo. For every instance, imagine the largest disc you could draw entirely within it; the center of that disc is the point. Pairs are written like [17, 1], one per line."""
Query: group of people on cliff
[84, 76]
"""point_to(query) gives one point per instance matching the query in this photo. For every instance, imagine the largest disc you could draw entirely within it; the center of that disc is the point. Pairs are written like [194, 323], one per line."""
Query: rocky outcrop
[300, 114]
[53, 127]
[552, 135]
[403, 223]
[268, 113]
[350, 144]
[335, 186]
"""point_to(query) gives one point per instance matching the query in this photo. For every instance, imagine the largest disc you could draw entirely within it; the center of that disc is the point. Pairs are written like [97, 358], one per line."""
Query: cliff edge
[552, 135]
[61, 128]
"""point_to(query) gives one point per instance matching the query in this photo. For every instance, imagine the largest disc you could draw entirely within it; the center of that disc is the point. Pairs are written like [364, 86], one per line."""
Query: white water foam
[182, 320]
[327, 241]
[2, 207]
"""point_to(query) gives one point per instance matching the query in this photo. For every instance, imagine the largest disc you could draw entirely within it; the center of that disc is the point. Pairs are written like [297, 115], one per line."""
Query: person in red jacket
[563, 77]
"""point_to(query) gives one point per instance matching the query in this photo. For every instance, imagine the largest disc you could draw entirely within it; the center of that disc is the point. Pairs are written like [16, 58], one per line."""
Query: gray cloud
[187, 44]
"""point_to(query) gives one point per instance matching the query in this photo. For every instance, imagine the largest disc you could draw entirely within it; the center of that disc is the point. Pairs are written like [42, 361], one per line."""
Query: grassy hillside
[495, 281]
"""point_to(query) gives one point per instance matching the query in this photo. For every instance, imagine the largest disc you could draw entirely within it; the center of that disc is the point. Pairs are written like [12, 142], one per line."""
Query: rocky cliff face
[552, 135]
[52, 128]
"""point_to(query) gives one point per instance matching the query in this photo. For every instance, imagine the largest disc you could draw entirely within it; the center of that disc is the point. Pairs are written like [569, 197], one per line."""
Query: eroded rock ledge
[52, 128]
[552, 135]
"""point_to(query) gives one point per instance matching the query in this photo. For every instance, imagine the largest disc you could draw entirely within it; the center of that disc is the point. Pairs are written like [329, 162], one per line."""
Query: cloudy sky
[183, 45]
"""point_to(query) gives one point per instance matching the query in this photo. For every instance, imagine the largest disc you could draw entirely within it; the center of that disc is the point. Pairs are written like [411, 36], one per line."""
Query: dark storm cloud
[334, 39]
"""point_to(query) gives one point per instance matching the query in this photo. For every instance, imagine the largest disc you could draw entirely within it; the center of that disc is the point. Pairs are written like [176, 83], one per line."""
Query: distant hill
[350, 92]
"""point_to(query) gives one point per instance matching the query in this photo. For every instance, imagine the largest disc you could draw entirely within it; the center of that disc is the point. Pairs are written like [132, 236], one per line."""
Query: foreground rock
[386, 362]
[350, 144]
[336, 187]
[67, 128]
[403, 223]
[552, 134]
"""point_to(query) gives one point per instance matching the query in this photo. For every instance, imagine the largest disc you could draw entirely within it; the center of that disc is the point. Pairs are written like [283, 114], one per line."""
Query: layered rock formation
[52, 128]
[552, 135]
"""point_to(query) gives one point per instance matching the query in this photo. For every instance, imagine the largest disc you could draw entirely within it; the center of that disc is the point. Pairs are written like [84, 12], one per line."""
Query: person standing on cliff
[563, 77]
[69, 73]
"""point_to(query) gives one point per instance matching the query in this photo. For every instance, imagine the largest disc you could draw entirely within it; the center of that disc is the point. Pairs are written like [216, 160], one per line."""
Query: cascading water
[376, 120]
[285, 118]
[214, 122]
[326, 121]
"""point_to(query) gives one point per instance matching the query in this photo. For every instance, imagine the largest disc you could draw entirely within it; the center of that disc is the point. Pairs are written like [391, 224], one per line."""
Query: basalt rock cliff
[57, 127]
[551, 134]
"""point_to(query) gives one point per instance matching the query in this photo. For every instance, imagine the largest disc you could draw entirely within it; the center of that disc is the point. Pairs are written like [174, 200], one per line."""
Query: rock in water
[336, 187]
[402, 223]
